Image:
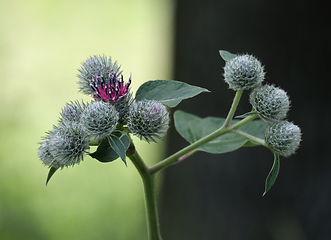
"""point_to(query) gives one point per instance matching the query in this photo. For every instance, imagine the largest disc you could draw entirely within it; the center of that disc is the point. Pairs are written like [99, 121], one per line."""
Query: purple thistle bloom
[110, 90]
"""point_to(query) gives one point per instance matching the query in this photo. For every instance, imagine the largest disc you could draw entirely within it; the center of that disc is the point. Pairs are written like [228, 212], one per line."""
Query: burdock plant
[110, 119]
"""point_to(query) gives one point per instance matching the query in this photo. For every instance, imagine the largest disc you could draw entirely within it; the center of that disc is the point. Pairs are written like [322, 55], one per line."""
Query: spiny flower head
[271, 103]
[148, 119]
[45, 154]
[243, 72]
[122, 106]
[99, 119]
[283, 137]
[109, 89]
[72, 112]
[64, 146]
[96, 66]
[102, 78]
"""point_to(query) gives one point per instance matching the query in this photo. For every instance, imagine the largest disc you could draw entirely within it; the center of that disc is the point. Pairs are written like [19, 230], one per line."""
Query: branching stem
[177, 157]
[148, 174]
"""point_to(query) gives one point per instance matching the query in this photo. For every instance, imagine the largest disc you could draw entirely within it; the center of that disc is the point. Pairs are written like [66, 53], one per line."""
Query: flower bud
[243, 72]
[45, 154]
[271, 103]
[64, 146]
[122, 107]
[99, 119]
[96, 66]
[283, 137]
[72, 112]
[148, 119]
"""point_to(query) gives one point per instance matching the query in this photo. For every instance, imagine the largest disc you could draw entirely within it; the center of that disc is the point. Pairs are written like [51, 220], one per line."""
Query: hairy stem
[150, 193]
[233, 108]
[252, 138]
[176, 157]
[244, 121]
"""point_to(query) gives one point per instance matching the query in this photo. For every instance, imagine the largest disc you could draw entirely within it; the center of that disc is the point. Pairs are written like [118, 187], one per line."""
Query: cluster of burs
[113, 109]
[271, 103]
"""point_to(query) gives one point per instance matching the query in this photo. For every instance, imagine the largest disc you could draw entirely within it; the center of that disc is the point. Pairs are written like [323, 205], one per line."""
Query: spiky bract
[283, 137]
[271, 103]
[64, 146]
[243, 72]
[99, 66]
[72, 112]
[122, 106]
[45, 154]
[148, 119]
[99, 119]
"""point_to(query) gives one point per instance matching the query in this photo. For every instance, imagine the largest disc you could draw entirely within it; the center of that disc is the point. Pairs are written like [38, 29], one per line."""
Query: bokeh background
[43, 43]
[219, 196]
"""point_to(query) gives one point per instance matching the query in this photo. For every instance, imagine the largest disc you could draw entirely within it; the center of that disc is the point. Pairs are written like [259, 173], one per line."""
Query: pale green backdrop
[42, 44]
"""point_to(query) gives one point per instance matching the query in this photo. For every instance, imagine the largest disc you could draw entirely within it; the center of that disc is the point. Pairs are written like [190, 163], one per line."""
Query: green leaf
[119, 142]
[51, 172]
[227, 56]
[272, 176]
[104, 152]
[107, 153]
[193, 128]
[169, 92]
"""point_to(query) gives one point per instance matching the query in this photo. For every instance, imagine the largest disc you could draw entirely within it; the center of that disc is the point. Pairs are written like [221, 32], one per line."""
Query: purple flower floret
[111, 89]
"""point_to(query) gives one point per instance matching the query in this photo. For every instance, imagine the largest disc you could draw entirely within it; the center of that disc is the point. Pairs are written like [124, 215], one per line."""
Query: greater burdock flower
[45, 154]
[109, 89]
[99, 119]
[148, 119]
[283, 137]
[72, 112]
[64, 146]
[96, 66]
[243, 72]
[271, 103]
[102, 78]
[122, 107]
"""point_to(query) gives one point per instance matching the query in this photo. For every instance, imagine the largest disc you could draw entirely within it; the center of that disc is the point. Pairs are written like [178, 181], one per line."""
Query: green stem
[94, 142]
[177, 157]
[244, 121]
[150, 193]
[148, 174]
[252, 138]
[233, 108]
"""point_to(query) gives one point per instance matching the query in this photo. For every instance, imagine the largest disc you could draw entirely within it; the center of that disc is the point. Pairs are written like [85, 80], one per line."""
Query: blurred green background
[42, 44]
